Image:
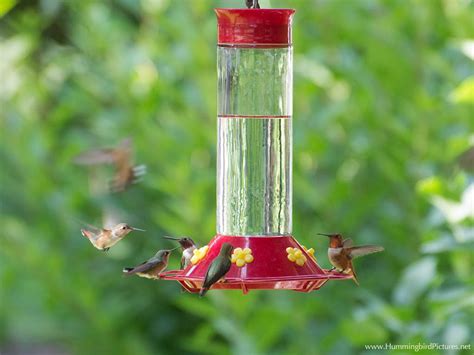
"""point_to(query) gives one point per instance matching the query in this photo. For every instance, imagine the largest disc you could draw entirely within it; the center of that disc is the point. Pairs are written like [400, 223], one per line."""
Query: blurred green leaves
[464, 93]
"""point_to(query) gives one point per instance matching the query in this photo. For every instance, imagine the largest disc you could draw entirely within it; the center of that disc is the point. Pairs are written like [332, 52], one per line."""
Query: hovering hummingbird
[153, 267]
[103, 239]
[188, 246]
[218, 268]
[341, 252]
[121, 157]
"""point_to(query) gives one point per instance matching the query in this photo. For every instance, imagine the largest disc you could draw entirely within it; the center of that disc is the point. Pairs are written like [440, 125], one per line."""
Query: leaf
[464, 93]
[415, 280]
[5, 6]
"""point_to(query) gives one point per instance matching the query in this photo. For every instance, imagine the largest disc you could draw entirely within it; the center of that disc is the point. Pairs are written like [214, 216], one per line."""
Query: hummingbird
[218, 268]
[341, 252]
[121, 158]
[188, 246]
[153, 267]
[103, 239]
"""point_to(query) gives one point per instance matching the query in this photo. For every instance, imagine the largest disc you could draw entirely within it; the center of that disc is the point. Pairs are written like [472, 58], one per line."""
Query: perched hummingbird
[341, 252]
[218, 268]
[153, 267]
[188, 246]
[103, 239]
[121, 157]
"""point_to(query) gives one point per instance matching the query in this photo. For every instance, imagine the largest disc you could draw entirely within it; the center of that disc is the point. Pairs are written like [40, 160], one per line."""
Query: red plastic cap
[254, 26]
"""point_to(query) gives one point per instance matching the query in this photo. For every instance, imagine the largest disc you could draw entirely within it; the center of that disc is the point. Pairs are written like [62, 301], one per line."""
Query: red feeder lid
[254, 26]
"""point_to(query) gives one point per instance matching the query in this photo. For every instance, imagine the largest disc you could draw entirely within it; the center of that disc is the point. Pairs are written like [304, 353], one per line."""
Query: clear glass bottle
[254, 165]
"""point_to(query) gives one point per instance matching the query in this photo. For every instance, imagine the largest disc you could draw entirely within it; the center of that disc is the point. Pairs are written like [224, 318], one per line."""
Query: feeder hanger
[252, 4]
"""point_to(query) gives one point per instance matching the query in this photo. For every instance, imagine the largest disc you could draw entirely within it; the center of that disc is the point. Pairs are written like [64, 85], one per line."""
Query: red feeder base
[270, 268]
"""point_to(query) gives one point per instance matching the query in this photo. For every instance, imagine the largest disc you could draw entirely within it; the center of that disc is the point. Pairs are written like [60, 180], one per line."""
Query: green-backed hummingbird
[218, 268]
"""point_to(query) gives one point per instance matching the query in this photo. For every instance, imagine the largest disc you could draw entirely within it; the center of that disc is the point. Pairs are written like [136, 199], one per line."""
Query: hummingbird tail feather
[354, 277]
[127, 270]
[203, 291]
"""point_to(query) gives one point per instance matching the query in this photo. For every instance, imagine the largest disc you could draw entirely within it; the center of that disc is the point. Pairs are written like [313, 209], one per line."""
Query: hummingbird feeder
[254, 160]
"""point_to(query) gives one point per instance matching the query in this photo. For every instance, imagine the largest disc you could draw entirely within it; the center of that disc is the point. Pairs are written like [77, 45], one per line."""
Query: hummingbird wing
[143, 267]
[87, 234]
[347, 243]
[126, 144]
[218, 268]
[355, 252]
[88, 226]
[95, 157]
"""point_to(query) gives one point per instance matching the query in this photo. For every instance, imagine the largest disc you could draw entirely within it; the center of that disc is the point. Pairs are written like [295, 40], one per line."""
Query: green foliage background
[383, 105]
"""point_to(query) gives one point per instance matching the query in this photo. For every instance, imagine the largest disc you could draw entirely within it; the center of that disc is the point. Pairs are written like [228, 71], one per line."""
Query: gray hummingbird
[103, 239]
[153, 267]
[218, 268]
[188, 246]
[121, 157]
[341, 252]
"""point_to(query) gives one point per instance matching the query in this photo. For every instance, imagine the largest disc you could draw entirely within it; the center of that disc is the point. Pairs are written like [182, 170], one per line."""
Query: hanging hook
[252, 4]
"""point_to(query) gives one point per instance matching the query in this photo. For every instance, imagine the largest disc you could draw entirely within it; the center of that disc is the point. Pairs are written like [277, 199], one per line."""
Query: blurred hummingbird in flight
[188, 246]
[121, 157]
[341, 252]
[103, 239]
[218, 268]
[153, 267]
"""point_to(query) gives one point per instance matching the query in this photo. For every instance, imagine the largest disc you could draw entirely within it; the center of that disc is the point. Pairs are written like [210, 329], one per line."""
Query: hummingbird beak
[137, 229]
[175, 248]
[327, 235]
[170, 238]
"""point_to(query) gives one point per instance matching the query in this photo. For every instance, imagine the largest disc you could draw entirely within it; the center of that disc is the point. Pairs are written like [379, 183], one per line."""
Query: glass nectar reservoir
[254, 164]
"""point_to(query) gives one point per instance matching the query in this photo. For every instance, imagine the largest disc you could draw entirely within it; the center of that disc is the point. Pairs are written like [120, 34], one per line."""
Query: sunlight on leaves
[415, 280]
[464, 93]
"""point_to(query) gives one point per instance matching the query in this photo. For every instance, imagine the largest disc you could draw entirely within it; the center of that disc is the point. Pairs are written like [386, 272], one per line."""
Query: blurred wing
[97, 156]
[347, 243]
[110, 218]
[355, 252]
[126, 144]
[92, 228]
